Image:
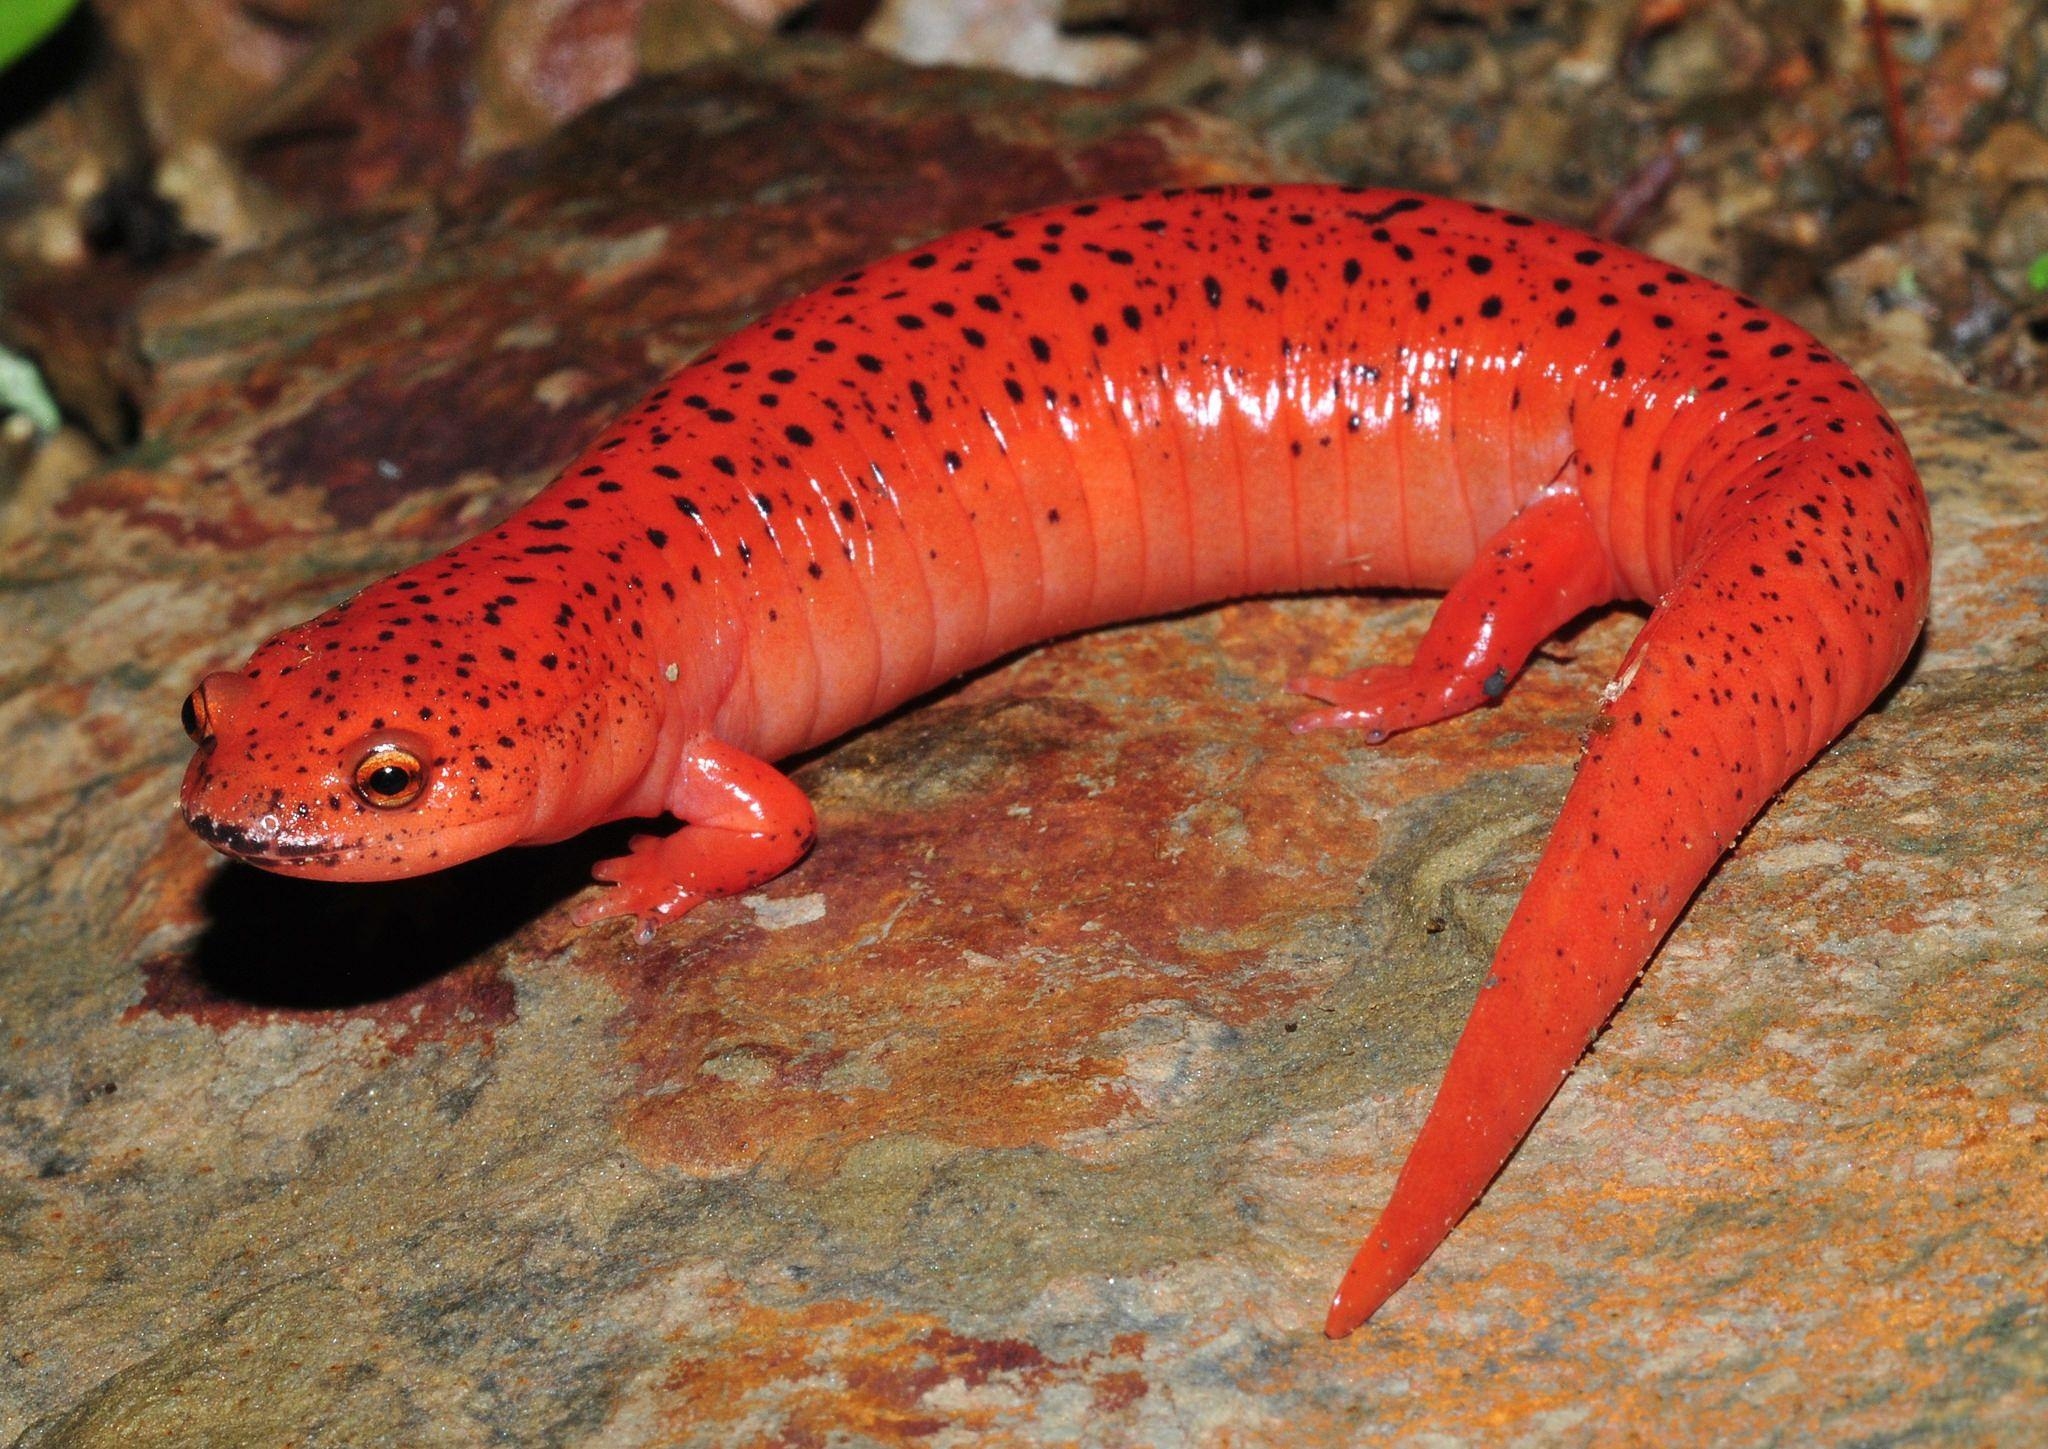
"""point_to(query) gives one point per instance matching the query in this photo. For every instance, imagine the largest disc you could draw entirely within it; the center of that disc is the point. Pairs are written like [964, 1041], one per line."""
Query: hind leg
[1546, 566]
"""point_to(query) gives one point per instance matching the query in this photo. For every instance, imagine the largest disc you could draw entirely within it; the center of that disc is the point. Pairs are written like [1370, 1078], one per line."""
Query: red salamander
[1115, 409]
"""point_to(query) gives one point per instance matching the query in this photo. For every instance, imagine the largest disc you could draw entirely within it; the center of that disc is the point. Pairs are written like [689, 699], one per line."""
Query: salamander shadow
[273, 941]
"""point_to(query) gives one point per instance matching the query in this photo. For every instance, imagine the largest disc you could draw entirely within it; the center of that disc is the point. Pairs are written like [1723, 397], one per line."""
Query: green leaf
[22, 390]
[2037, 273]
[24, 22]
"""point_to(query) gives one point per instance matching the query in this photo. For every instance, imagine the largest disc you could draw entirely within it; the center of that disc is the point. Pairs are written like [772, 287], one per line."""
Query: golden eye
[196, 718]
[389, 777]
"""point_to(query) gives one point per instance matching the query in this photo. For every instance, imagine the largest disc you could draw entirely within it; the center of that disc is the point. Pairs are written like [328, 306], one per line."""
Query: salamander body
[1109, 410]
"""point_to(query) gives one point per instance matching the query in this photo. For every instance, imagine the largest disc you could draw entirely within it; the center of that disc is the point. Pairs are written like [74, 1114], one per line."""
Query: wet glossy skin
[415, 674]
[1109, 410]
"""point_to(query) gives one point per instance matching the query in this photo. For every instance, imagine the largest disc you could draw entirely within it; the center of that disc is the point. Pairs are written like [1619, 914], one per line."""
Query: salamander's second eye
[193, 715]
[389, 777]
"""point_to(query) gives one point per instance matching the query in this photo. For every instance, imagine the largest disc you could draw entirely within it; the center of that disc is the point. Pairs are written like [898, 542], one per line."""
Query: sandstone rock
[1044, 1101]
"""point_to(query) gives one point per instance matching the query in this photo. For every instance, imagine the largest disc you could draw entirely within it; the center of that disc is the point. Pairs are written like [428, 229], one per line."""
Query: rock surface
[1046, 1100]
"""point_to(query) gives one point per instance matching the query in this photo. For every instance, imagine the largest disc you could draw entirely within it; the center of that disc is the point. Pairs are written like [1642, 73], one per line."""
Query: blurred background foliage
[24, 22]
[1753, 140]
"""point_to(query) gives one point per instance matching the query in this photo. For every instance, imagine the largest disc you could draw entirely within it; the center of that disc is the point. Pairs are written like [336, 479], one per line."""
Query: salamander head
[387, 739]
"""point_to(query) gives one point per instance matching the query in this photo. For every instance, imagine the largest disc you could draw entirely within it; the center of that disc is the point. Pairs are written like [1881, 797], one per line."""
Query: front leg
[744, 823]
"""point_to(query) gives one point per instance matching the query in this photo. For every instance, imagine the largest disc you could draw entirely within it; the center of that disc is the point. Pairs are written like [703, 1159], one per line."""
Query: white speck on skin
[1615, 689]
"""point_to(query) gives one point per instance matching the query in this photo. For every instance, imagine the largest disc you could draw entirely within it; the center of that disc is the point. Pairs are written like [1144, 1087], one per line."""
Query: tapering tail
[1798, 605]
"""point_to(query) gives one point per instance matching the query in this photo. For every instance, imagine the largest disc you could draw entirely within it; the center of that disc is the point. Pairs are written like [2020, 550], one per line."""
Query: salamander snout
[347, 765]
[278, 785]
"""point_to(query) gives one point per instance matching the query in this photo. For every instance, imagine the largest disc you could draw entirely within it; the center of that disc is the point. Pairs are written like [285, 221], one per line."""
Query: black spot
[869, 362]
[1278, 277]
[1490, 307]
[1386, 213]
[1479, 264]
[799, 435]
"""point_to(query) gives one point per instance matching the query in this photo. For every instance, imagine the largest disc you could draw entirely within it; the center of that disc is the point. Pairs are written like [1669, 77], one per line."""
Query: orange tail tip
[1374, 1276]
[1460, 1150]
